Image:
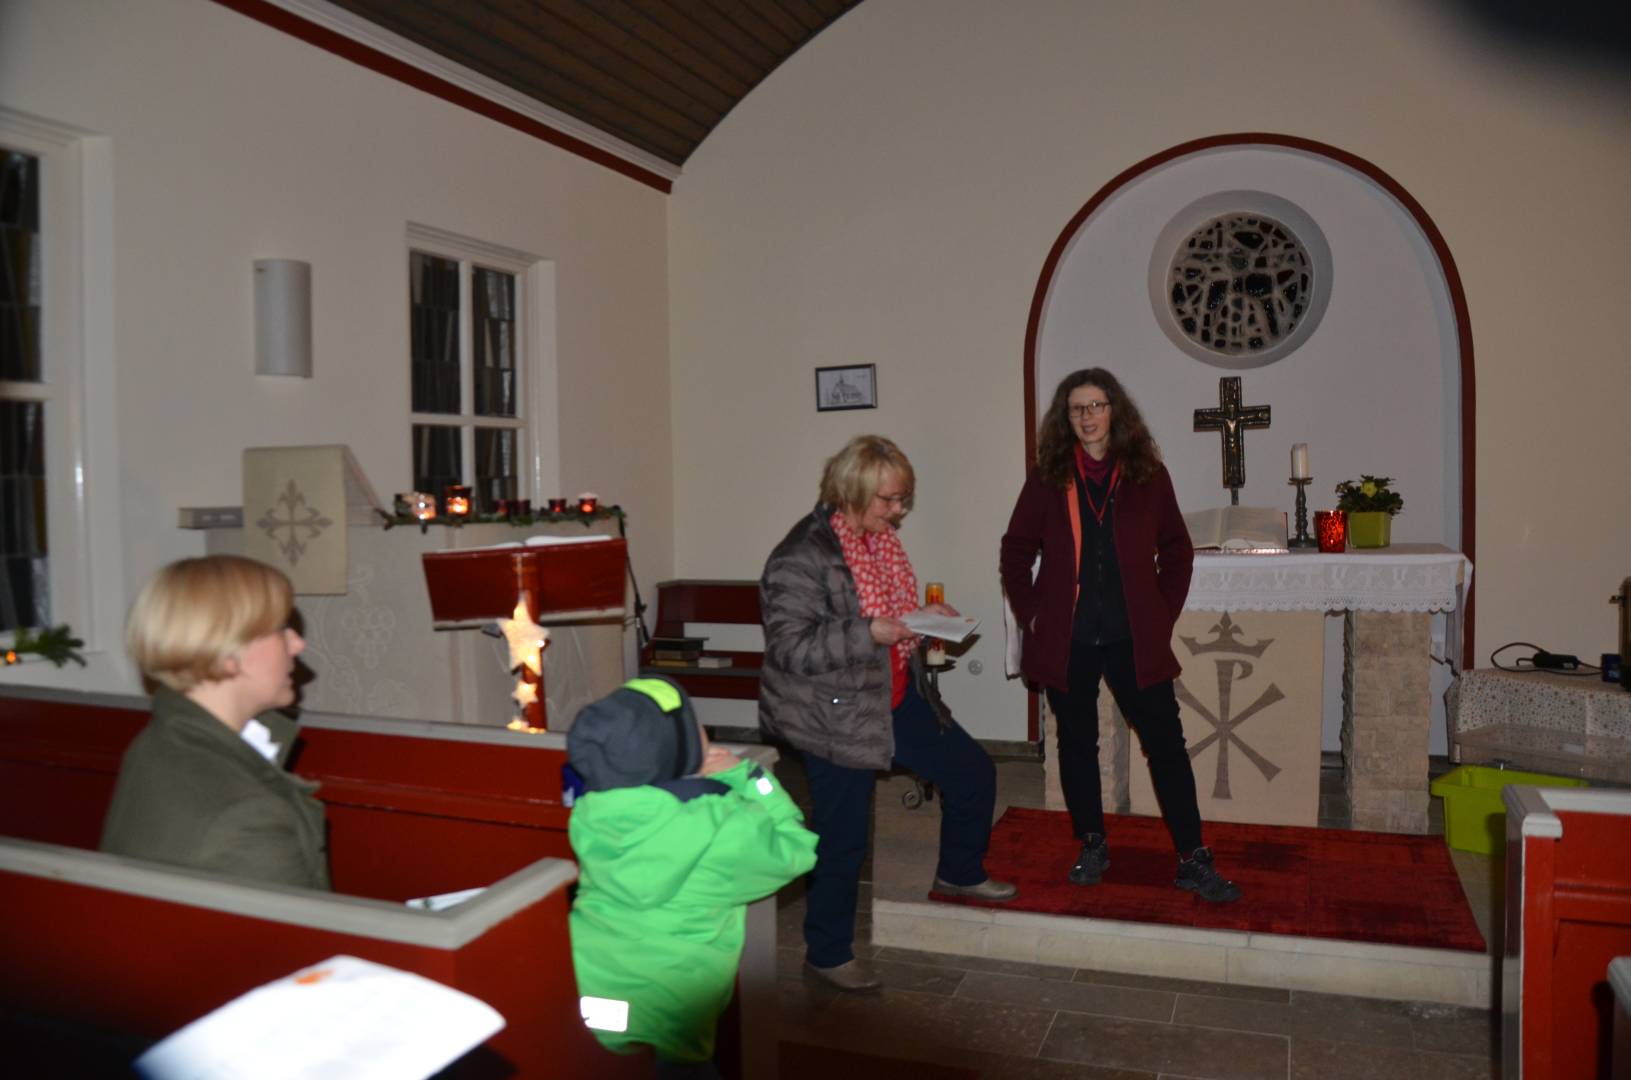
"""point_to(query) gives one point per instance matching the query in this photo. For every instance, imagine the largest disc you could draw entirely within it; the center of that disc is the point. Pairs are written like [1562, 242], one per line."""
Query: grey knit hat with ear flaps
[644, 732]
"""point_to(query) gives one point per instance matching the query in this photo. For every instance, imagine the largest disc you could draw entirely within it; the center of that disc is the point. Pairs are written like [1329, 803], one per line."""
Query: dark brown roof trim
[264, 11]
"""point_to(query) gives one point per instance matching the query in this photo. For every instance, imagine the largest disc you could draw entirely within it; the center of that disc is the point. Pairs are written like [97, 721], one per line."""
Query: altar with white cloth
[1251, 641]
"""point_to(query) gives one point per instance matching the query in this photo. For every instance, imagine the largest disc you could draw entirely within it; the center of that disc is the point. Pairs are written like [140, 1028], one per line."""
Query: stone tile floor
[1016, 1021]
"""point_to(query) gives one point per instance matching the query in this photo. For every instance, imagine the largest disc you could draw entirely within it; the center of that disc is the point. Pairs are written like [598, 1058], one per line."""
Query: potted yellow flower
[1370, 506]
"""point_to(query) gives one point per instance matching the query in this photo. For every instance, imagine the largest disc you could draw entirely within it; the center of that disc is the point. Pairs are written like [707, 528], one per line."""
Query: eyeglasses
[897, 501]
[1091, 408]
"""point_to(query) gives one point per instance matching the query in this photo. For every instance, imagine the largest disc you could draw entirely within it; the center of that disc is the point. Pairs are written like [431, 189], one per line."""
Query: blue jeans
[841, 810]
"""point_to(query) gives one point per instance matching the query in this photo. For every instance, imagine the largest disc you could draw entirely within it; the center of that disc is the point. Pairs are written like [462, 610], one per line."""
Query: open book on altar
[1254, 529]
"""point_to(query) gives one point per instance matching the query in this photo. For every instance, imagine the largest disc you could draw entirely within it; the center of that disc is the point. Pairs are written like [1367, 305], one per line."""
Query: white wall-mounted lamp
[283, 317]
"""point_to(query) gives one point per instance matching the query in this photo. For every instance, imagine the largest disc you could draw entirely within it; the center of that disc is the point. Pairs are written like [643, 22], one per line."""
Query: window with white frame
[468, 362]
[61, 556]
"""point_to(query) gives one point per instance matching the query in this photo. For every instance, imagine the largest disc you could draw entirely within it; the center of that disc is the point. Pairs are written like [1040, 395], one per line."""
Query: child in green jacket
[674, 838]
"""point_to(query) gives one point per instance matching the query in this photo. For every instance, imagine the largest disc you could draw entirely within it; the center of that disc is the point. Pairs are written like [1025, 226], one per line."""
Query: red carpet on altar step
[1385, 888]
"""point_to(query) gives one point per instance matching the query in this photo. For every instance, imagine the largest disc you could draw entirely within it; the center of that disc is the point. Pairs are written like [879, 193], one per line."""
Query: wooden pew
[691, 600]
[1568, 916]
[133, 947]
[414, 809]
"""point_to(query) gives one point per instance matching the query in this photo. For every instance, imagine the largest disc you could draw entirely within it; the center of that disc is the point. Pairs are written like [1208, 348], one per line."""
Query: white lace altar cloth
[1403, 577]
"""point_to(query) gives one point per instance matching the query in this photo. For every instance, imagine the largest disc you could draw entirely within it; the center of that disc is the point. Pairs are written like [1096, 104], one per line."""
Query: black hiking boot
[1199, 876]
[1092, 863]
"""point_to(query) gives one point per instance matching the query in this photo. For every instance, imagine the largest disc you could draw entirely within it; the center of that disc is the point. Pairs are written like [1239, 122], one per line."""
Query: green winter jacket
[665, 874]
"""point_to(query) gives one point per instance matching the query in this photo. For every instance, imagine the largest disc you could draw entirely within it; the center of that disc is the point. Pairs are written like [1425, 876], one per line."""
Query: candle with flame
[934, 592]
[587, 502]
[1331, 528]
[421, 505]
[557, 506]
[458, 501]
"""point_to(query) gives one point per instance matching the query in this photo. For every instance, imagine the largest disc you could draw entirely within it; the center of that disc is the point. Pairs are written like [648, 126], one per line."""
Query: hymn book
[1249, 529]
[947, 627]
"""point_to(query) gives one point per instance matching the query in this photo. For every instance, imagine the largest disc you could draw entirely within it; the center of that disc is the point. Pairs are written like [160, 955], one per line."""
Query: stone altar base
[1384, 730]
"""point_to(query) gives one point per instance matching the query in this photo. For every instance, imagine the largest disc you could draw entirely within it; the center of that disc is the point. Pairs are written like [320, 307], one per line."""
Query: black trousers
[1153, 715]
[841, 815]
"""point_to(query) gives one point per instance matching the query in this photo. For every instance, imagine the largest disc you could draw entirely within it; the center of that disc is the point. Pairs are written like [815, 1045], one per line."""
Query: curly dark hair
[1130, 440]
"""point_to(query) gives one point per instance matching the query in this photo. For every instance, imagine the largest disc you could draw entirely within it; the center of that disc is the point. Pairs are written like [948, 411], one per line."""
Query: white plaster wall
[231, 141]
[890, 193]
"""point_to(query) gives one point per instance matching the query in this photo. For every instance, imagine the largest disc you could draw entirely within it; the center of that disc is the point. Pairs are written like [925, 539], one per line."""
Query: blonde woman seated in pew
[202, 785]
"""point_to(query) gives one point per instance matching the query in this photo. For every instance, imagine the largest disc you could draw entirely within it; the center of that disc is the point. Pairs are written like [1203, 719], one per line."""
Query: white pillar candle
[1299, 461]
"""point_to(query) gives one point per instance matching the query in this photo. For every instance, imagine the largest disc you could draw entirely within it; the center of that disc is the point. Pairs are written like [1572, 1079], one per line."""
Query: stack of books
[684, 652]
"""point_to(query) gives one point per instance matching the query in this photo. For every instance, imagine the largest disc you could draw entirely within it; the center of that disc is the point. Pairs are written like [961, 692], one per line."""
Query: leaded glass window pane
[1240, 284]
[436, 460]
[19, 267]
[434, 326]
[493, 326]
[495, 467]
[24, 568]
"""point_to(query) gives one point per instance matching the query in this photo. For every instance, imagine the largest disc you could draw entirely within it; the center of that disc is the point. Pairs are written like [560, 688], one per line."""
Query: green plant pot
[1370, 528]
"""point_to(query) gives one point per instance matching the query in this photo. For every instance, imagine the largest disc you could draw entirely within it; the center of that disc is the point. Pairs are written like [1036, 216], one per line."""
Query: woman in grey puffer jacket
[843, 683]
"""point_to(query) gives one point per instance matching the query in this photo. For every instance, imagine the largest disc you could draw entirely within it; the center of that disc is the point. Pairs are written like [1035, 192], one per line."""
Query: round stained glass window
[1240, 284]
[1240, 279]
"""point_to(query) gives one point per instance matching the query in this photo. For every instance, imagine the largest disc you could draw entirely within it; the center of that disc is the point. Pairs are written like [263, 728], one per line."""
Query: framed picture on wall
[851, 387]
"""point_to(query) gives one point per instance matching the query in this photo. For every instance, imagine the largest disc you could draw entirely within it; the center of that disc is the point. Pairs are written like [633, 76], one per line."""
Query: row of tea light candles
[419, 505]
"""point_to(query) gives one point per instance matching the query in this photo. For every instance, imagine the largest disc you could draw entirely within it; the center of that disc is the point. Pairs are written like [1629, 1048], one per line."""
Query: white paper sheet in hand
[344, 1017]
[948, 627]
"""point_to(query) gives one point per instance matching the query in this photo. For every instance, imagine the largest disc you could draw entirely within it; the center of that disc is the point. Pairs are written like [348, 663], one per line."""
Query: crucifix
[1230, 419]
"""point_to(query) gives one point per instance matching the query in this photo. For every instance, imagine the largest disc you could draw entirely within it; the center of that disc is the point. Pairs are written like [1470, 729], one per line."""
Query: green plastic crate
[1474, 815]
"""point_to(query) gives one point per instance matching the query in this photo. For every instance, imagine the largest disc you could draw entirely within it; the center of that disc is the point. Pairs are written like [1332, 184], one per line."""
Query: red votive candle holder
[557, 506]
[1331, 528]
[457, 500]
[587, 503]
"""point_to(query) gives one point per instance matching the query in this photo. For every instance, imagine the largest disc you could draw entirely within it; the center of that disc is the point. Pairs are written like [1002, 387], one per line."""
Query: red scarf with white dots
[886, 584]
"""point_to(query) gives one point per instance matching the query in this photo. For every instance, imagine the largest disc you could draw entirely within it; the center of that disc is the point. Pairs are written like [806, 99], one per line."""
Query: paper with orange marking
[342, 1017]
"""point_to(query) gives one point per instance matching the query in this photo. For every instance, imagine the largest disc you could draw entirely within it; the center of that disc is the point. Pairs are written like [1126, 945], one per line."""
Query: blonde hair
[851, 476]
[193, 614]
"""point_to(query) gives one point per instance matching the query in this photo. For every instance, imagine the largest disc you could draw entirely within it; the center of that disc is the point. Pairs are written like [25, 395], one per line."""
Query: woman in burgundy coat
[1116, 561]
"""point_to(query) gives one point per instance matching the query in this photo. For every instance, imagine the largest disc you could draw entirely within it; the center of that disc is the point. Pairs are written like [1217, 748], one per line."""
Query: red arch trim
[1424, 221]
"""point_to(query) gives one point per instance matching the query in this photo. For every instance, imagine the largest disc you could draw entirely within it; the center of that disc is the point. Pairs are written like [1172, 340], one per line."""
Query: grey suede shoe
[852, 976]
[990, 889]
